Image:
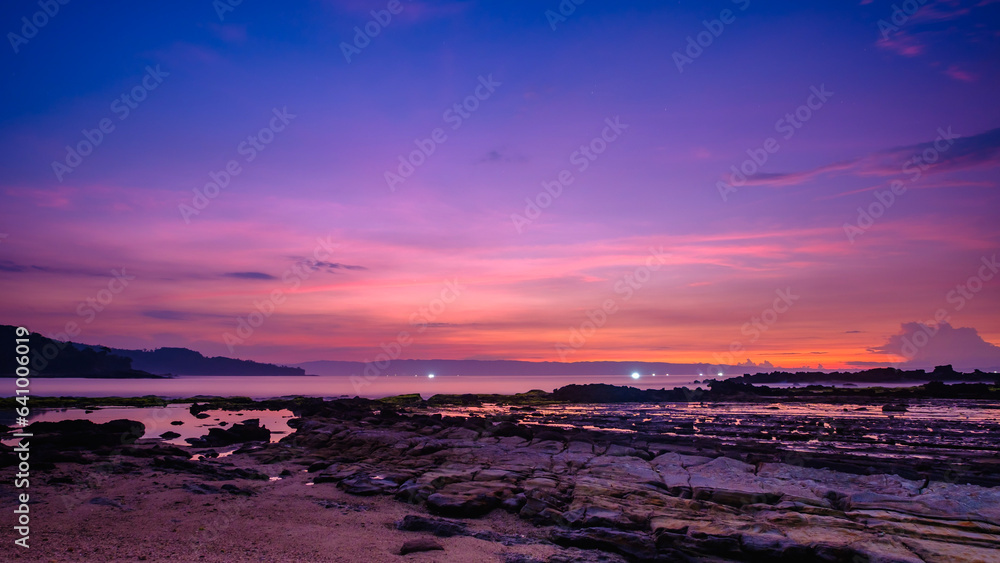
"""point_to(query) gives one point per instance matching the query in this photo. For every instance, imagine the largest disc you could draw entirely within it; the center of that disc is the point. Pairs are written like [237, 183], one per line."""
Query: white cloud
[925, 346]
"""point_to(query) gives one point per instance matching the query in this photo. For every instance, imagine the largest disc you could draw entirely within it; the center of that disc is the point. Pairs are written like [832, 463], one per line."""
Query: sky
[709, 182]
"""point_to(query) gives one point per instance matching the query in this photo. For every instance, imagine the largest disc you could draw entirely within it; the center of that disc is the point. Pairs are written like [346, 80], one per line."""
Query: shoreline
[592, 393]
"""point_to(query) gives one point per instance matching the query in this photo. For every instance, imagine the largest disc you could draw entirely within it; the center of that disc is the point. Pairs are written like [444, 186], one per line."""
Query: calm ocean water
[263, 387]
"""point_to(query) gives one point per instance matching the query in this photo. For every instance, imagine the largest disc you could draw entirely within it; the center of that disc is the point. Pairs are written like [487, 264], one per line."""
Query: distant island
[877, 375]
[183, 361]
[53, 358]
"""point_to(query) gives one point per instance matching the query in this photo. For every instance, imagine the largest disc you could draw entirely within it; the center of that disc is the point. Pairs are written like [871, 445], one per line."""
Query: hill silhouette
[53, 358]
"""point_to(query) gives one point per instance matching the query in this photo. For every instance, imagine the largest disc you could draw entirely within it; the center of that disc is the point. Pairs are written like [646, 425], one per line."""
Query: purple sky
[690, 259]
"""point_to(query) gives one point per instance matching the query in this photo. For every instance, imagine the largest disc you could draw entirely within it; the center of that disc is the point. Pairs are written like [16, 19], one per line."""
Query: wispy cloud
[249, 275]
[502, 155]
[958, 73]
[967, 152]
[171, 315]
[934, 23]
[16, 267]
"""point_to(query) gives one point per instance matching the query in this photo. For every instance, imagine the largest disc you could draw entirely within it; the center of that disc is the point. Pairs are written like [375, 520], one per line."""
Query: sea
[338, 386]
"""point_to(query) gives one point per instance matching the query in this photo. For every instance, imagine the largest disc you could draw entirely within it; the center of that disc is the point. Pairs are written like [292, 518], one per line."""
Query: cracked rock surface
[636, 497]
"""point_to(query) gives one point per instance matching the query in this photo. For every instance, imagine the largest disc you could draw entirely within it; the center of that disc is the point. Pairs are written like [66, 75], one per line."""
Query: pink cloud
[903, 44]
[958, 74]
[60, 197]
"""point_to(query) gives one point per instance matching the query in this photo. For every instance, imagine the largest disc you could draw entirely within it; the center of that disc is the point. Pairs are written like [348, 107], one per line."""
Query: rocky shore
[364, 480]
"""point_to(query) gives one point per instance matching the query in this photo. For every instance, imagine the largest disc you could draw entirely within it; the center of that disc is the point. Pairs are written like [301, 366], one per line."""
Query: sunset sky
[449, 250]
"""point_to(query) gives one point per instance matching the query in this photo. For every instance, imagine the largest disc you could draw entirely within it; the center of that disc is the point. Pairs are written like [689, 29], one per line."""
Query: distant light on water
[430, 376]
[635, 375]
[720, 374]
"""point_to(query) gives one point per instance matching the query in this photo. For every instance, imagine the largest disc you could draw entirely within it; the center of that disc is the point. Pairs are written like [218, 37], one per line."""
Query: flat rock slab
[615, 496]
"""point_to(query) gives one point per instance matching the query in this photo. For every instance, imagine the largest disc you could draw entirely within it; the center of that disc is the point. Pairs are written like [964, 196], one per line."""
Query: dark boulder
[438, 526]
[630, 544]
[86, 435]
[246, 431]
[465, 504]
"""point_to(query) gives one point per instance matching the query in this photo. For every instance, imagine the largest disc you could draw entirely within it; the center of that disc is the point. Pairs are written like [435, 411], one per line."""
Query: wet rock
[85, 435]
[246, 431]
[507, 429]
[496, 475]
[168, 435]
[201, 489]
[420, 545]
[208, 470]
[438, 526]
[597, 516]
[733, 483]
[514, 504]
[631, 544]
[363, 485]
[575, 555]
[413, 493]
[463, 502]
[700, 498]
[541, 509]
[550, 435]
